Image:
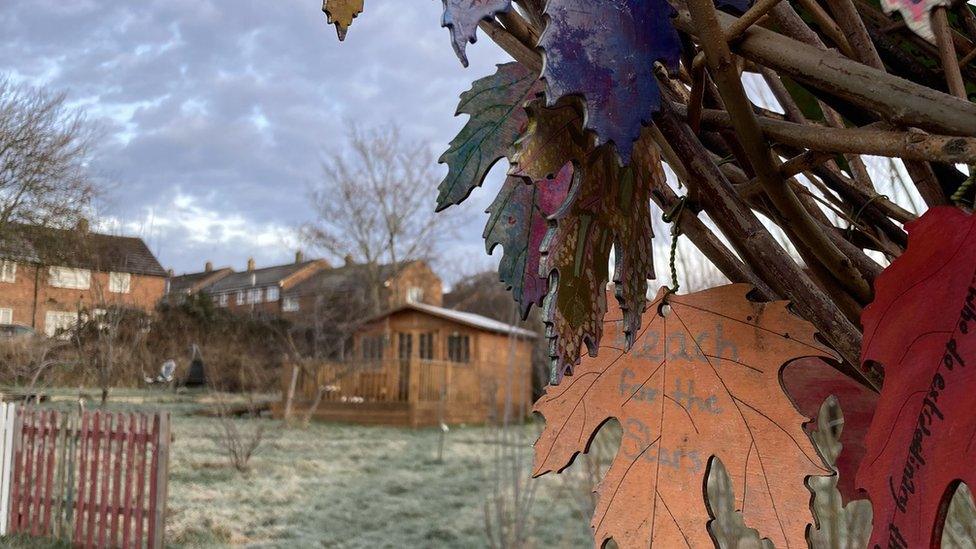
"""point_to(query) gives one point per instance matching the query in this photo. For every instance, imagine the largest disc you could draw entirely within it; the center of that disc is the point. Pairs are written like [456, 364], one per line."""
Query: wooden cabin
[421, 365]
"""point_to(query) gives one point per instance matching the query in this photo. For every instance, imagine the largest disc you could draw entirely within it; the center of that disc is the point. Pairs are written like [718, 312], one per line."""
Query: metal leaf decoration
[553, 138]
[917, 14]
[922, 328]
[605, 52]
[608, 208]
[519, 222]
[461, 17]
[341, 13]
[702, 380]
[497, 119]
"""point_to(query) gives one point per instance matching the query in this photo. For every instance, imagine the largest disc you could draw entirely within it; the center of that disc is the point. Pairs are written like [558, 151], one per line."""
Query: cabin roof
[461, 317]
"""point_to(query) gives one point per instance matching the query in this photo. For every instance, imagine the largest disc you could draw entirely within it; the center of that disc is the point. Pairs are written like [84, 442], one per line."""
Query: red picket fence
[97, 479]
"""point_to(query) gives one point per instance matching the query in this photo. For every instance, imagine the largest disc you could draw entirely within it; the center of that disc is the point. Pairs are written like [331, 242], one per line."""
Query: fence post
[7, 420]
[161, 475]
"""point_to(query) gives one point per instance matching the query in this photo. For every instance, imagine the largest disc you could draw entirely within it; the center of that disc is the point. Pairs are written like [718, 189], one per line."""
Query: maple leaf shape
[461, 17]
[518, 221]
[702, 380]
[809, 382]
[920, 327]
[608, 208]
[605, 52]
[497, 119]
[916, 13]
[341, 13]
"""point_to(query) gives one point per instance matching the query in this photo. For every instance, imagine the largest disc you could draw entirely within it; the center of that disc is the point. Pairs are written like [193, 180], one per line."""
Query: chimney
[299, 257]
[250, 264]
[82, 225]
[170, 273]
[207, 267]
[349, 260]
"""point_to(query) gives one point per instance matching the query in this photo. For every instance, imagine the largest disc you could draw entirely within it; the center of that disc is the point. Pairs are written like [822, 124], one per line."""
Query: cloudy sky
[216, 113]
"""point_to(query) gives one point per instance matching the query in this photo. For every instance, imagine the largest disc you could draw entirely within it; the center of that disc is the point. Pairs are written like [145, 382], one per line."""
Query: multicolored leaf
[518, 222]
[701, 381]
[921, 328]
[341, 13]
[461, 17]
[553, 138]
[605, 52]
[809, 382]
[917, 14]
[608, 208]
[497, 119]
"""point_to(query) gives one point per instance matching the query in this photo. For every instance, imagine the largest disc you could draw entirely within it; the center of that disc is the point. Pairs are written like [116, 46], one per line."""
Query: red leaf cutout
[809, 382]
[921, 328]
[702, 380]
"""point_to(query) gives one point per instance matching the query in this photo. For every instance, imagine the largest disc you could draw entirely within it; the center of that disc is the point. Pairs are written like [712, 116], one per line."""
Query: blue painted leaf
[461, 17]
[497, 119]
[605, 52]
[518, 221]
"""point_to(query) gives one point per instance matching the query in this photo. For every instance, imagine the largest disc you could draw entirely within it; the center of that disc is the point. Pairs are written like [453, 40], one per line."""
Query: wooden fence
[96, 479]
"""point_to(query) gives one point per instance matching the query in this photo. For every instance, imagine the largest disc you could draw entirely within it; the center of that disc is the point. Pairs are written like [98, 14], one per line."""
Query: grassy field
[333, 485]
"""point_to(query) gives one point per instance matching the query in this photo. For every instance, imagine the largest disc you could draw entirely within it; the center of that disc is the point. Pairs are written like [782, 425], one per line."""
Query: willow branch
[512, 45]
[947, 52]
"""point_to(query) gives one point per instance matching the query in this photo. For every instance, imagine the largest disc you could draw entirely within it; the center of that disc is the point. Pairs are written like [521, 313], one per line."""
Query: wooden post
[160, 474]
[8, 420]
[289, 399]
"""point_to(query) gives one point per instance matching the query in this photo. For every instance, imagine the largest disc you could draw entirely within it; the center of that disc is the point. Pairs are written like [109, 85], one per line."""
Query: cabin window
[459, 348]
[8, 271]
[66, 277]
[372, 347]
[118, 283]
[271, 294]
[415, 294]
[6, 316]
[427, 346]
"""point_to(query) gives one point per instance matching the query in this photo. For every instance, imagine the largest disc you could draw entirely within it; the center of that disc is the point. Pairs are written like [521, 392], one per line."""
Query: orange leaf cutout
[701, 380]
[341, 13]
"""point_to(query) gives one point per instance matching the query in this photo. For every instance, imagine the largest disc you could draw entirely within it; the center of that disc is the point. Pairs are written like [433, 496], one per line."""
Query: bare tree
[45, 151]
[373, 204]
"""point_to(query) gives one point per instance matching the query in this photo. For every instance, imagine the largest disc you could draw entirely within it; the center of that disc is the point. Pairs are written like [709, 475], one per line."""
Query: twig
[749, 18]
[947, 52]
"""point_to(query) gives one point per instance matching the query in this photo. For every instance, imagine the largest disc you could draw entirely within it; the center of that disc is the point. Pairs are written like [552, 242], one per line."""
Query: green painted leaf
[497, 119]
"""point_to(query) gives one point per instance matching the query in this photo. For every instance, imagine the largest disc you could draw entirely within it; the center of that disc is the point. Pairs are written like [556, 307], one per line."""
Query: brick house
[49, 277]
[179, 287]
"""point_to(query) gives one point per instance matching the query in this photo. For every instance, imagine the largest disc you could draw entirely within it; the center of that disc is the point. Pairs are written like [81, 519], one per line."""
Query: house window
[118, 283]
[254, 295]
[240, 297]
[6, 316]
[459, 348]
[290, 304]
[427, 346]
[8, 271]
[59, 321]
[271, 294]
[66, 277]
[415, 294]
[222, 300]
[372, 347]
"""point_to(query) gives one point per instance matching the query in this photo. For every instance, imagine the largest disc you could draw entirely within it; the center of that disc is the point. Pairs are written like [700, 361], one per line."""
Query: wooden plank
[84, 441]
[140, 479]
[23, 519]
[7, 417]
[105, 472]
[117, 479]
[61, 479]
[159, 479]
[130, 454]
[37, 482]
[48, 501]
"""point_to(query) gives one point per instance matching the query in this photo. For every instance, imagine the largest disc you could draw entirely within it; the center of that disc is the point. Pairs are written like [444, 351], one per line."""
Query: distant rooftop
[461, 317]
[258, 277]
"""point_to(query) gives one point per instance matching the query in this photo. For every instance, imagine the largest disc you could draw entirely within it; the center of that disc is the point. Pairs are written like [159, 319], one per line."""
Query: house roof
[267, 276]
[73, 248]
[347, 278]
[189, 282]
[461, 317]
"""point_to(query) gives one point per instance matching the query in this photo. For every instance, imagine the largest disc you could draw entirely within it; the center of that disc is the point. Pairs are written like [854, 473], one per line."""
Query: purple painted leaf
[605, 52]
[518, 222]
[497, 119]
[461, 17]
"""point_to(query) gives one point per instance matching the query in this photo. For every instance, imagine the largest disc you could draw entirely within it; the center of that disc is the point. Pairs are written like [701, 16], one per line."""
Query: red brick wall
[144, 293]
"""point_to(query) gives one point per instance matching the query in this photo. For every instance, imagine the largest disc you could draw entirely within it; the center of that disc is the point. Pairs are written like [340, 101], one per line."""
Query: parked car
[12, 331]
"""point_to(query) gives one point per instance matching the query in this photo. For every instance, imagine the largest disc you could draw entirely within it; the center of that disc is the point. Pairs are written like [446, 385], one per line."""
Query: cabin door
[404, 352]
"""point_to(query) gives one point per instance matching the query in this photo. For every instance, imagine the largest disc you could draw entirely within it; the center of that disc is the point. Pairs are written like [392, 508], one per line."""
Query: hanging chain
[672, 217]
[966, 185]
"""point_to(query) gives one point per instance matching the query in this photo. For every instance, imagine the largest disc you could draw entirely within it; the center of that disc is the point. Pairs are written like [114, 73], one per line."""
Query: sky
[215, 114]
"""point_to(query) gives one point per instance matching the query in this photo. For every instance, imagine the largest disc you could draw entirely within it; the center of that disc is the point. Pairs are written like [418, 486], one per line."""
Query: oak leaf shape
[608, 208]
[497, 119]
[921, 327]
[341, 13]
[701, 380]
[518, 221]
[605, 52]
[461, 17]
